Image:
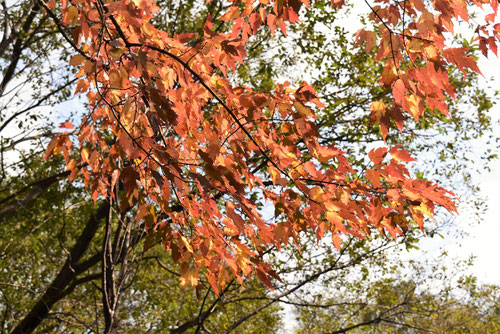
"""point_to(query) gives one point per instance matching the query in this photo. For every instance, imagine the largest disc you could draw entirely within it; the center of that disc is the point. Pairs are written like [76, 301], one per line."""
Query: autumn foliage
[167, 130]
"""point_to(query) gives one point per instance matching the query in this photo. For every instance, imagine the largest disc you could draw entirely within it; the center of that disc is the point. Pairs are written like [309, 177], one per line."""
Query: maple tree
[75, 278]
[194, 150]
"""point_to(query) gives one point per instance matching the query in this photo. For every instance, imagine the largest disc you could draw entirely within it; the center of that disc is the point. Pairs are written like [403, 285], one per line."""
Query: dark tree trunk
[62, 284]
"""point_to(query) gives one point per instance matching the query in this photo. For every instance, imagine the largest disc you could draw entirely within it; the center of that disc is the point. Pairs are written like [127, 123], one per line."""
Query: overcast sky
[484, 240]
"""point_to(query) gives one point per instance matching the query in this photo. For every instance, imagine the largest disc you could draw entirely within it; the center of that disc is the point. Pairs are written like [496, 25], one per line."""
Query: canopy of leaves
[189, 138]
[168, 122]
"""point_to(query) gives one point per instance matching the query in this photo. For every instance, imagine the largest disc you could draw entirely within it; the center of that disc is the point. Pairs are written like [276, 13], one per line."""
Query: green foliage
[36, 237]
[410, 299]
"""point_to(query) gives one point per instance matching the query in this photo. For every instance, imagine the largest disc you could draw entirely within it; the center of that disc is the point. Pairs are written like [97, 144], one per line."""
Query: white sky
[484, 238]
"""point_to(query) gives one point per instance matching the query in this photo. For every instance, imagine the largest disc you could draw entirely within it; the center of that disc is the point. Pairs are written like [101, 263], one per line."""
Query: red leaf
[377, 155]
[400, 155]
[66, 125]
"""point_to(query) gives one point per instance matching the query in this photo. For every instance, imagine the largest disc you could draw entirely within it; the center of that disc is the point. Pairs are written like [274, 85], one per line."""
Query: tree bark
[66, 275]
[18, 48]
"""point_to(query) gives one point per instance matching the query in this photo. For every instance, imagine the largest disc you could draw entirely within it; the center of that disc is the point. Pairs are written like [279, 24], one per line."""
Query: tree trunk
[57, 290]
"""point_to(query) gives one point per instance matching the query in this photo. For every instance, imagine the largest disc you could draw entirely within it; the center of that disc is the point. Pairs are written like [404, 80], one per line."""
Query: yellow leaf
[416, 45]
[413, 104]
[423, 208]
[189, 276]
[316, 194]
[302, 109]
[186, 244]
[378, 109]
[85, 154]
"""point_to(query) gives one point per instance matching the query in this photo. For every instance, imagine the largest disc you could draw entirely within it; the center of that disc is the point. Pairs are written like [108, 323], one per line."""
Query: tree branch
[56, 291]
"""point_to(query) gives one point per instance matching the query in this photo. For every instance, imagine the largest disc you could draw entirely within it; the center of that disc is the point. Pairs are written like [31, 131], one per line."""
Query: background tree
[414, 298]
